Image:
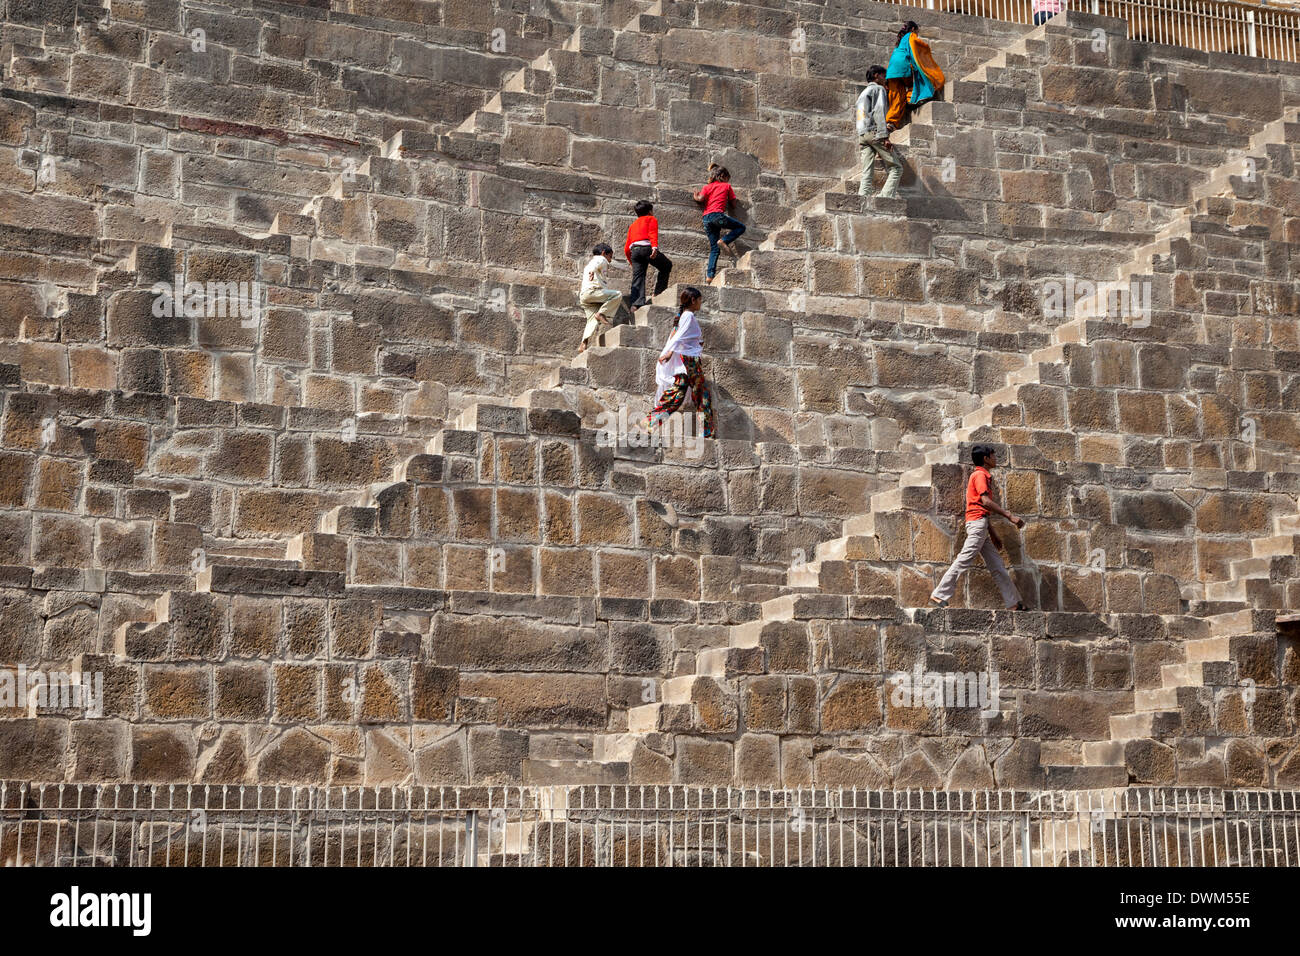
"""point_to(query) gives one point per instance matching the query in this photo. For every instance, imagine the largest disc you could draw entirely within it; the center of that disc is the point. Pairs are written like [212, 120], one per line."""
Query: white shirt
[593, 276]
[685, 340]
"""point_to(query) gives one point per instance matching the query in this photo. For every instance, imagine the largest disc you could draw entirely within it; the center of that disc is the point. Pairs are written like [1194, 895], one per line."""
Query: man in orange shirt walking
[980, 538]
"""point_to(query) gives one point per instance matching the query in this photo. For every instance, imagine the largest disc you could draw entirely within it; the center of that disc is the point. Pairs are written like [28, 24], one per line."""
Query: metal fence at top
[86, 825]
[1212, 26]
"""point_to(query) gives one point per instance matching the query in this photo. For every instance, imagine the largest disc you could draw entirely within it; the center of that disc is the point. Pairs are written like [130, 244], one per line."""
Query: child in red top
[715, 196]
[641, 250]
[980, 538]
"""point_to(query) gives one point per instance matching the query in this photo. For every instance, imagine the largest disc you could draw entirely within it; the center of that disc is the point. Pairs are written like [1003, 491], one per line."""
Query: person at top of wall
[680, 368]
[642, 250]
[600, 303]
[913, 77]
[1044, 10]
[873, 136]
[716, 196]
[981, 539]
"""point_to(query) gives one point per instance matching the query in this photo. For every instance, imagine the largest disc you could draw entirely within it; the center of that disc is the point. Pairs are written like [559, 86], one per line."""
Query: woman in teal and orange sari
[912, 78]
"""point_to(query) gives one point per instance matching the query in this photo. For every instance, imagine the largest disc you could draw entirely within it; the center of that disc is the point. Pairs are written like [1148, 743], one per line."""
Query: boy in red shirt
[642, 249]
[980, 538]
[715, 196]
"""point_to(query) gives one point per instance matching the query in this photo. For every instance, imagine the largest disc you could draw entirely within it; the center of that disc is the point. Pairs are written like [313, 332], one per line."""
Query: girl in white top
[680, 368]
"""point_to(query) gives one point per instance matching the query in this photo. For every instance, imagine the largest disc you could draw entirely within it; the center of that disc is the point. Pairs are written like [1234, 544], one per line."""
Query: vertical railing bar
[153, 807]
[94, 832]
[894, 807]
[1178, 831]
[76, 827]
[1286, 844]
[714, 800]
[310, 811]
[1214, 832]
[1250, 833]
[239, 834]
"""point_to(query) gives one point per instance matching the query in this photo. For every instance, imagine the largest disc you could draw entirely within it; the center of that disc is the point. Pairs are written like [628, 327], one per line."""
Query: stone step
[1258, 566]
[805, 576]
[778, 609]
[833, 550]
[1232, 623]
[649, 23]
[240, 552]
[661, 718]
[1049, 355]
[748, 634]
[211, 558]
[1073, 332]
[483, 417]
[146, 638]
[141, 640]
[1198, 673]
[455, 441]
[549, 397]
[569, 773]
[538, 80]
[228, 579]
[348, 519]
[1208, 649]
[909, 497]
[1103, 753]
[1085, 777]
[1141, 726]
[614, 748]
[679, 690]
[728, 663]
[735, 276]
[981, 417]
[1231, 590]
[1279, 545]
[420, 468]
[922, 477]
[627, 336]
[1155, 698]
[864, 524]
[1030, 374]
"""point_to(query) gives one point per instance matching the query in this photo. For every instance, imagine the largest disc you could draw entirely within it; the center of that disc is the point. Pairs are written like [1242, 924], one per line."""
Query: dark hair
[908, 27]
[688, 295]
[979, 452]
[719, 172]
[602, 249]
[644, 207]
[873, 72]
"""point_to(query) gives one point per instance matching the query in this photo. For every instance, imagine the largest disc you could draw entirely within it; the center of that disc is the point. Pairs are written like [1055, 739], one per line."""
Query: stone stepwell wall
[372, 536]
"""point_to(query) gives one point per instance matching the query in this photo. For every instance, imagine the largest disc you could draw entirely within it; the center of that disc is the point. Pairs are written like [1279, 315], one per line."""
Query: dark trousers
[714, 223]
[1042, 16]
[640, 257]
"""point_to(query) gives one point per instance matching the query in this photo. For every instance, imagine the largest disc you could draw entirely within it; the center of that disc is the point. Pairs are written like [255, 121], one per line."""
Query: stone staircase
[645, 623]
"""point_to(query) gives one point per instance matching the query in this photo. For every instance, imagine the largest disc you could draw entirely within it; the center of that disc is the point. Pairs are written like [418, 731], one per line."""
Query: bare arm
[991, 505]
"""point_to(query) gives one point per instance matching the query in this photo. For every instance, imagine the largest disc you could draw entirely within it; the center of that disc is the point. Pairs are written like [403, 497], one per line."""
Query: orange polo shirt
[980, 484]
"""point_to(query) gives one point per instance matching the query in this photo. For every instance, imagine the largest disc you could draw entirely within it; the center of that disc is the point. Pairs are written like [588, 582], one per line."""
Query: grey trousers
[869, 150]
[979, 543]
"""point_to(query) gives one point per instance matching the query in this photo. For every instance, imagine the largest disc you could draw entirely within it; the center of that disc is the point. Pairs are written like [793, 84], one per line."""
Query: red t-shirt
[644, 227]
[981, 483]
[716, 196]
